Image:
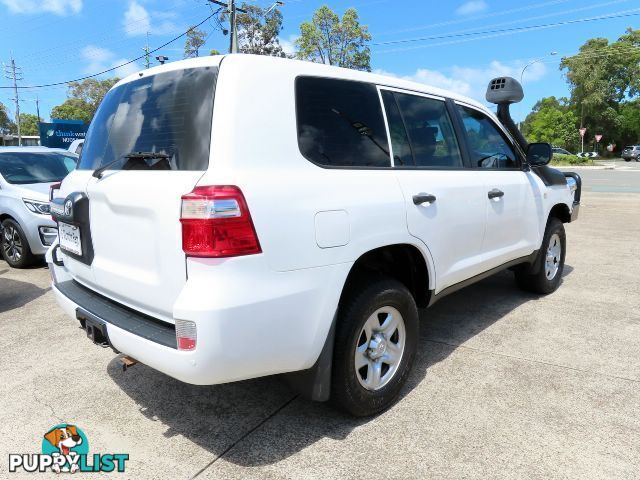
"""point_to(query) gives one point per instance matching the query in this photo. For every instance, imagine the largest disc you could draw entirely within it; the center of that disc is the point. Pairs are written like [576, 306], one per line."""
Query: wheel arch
[403, 261]
[560, 211]
[6, 216]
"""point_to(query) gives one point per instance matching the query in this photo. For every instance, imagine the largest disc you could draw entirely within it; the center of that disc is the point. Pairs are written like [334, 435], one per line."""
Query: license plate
[69, 236]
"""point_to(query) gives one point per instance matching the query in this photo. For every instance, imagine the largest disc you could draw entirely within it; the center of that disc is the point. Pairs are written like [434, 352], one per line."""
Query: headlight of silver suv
[37, 207]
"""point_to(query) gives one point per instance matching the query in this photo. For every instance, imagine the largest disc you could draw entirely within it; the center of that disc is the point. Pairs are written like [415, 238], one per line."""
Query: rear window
[340, 123]
[22, 168]
[168, 114]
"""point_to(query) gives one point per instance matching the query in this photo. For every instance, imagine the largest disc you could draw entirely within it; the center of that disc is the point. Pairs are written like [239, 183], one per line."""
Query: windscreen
[168, 114]
[22, 168]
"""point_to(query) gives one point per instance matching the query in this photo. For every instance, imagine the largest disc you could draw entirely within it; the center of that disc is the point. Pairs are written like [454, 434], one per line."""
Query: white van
[239, 216]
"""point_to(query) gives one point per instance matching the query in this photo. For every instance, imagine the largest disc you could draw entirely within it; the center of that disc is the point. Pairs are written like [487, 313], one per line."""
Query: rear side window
[429, 131]
[488, 147]
[340, 123]
[168, 113]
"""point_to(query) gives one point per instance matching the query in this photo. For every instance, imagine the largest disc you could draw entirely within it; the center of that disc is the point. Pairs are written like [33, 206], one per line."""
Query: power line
[470, 18]
[539, 17]
[117, 66]
[510, 30]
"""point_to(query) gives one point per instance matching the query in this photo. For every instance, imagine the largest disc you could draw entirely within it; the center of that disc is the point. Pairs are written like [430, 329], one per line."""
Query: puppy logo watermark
[65, 449]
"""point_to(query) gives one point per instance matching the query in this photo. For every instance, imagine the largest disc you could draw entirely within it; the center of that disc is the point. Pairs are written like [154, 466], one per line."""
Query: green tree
[213, 51]
[195, 40]
[29, 124]
[6, 124]
[602, 76]
[552, 121]
[83, 99]
[629, 123]
[330, 40]
[258, 30]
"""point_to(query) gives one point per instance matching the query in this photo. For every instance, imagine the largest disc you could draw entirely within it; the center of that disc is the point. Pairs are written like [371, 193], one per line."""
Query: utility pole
[233, 30]
[147, 61]
[38, 108]
[14, 73]
[233, 38]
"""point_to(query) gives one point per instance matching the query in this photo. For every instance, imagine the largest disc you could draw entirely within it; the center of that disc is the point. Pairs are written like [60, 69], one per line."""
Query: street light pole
[550, 54]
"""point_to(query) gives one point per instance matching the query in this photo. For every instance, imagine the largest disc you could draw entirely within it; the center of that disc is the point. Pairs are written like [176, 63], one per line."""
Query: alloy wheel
[12, 244]
[554, 253]
[380, 348]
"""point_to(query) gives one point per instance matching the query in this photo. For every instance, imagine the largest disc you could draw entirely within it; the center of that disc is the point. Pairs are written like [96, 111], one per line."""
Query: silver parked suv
[632, 152]
[26, 175]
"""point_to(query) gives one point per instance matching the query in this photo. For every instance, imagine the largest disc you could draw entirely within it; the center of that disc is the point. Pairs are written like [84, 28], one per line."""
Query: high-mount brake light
[216, 223]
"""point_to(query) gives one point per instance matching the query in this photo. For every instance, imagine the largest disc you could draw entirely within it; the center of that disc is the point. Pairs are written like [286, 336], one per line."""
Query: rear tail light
[186, 334]
[216, 223]
[52, 188]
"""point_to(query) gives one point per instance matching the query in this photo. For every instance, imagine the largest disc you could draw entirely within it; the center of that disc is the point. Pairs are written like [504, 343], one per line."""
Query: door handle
[495, 193]
[422, 198]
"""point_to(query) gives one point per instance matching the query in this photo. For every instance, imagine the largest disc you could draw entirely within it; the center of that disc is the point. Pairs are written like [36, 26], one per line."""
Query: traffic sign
[583, 131]
[598, 138]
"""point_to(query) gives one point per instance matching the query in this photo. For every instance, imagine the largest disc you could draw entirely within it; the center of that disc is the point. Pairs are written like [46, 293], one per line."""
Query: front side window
[429, 140]
[340, 123]
[23, 168]
[488, 148]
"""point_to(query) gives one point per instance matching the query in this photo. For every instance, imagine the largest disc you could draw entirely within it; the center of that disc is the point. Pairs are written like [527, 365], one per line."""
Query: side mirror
[539, 154]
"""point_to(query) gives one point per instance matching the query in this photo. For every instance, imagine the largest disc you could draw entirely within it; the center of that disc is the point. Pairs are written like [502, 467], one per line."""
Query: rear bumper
[250, 325]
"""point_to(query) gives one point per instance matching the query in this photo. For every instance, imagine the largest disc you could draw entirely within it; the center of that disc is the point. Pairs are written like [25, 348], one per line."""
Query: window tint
[340, 123]
[430, 133]
[488, 148]
[168, 113]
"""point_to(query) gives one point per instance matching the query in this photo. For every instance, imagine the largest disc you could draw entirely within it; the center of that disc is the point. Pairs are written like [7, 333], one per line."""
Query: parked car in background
[632, 152]
[76, 146]
[26, 175]
[561, 151]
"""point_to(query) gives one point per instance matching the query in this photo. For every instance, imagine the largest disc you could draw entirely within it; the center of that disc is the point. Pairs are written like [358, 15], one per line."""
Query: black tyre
[553, 251]
[628, 160]
[375, 345]
[15, 248]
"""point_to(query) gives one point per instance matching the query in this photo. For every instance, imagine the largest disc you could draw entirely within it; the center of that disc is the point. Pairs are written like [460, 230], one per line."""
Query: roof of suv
[303, 67]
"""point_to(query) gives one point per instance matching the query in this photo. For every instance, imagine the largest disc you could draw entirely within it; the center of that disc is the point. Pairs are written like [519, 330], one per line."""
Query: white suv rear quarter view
[260, 216]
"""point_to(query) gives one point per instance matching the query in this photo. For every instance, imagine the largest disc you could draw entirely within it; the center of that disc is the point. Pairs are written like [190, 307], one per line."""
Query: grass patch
[559, 159]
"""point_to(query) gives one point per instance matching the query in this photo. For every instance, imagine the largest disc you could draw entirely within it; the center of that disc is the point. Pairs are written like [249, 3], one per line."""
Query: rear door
[445, 202]
[154, 134]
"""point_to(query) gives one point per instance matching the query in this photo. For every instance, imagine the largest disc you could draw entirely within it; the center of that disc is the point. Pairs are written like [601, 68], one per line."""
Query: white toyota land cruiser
[239, 216]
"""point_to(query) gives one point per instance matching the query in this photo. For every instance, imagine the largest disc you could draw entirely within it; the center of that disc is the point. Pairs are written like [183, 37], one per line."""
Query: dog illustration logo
[65, 449]
[69, 442]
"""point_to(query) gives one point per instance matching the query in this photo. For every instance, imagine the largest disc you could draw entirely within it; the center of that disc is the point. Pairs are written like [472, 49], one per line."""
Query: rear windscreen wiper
[137, 155]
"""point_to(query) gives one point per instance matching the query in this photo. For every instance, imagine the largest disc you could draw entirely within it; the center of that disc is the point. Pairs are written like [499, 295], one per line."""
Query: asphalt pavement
[610, 176]
[506, 384]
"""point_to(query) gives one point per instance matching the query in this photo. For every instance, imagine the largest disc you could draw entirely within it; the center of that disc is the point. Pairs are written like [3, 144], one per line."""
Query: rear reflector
[216, 223]
[186, 334]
